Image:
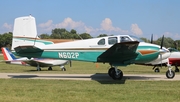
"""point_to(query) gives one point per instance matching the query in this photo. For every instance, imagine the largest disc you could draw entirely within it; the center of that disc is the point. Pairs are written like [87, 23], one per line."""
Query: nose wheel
[115, 73]
[170, 73]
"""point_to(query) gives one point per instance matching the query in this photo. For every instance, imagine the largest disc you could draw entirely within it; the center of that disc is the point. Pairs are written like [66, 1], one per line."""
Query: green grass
[29, 90]
[39, 90]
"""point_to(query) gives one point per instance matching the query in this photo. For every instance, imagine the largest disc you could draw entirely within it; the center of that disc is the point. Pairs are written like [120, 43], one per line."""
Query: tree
[102, 35]
[61, 33]
[85, 36]
[145, 40]
[45, 36]
[6, 40]
[176, 44]
[168, 42]
[73, 31]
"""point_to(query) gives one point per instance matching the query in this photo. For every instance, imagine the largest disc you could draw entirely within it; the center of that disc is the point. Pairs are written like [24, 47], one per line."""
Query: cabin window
[112, 40]
[101, 42]
[125, 39]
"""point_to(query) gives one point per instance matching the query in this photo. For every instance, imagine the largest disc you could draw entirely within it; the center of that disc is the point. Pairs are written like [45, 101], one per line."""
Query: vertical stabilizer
[7, 54]
[25, 27]
[25, 33]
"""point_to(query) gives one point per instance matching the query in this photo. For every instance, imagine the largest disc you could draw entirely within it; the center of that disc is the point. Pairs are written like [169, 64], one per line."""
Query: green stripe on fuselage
[35, 40]
[91, 55]
[147, 57]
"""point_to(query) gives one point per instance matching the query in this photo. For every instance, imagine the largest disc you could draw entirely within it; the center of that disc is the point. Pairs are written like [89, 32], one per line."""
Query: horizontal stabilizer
[28, 51]
[122, 53]
[36, 63]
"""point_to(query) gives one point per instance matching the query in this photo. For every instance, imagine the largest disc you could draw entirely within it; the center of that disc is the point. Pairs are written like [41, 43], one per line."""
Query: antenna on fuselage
[80, 37]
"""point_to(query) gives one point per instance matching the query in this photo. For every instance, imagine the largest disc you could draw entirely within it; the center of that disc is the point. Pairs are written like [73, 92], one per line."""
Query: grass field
[38, 90]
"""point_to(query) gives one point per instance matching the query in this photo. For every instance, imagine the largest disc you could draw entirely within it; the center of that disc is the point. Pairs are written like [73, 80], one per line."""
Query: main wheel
[63, 69]
[118, 76]
[170, 75]
[110, 71]
[176, 69]
[156, 70]
[50, 68]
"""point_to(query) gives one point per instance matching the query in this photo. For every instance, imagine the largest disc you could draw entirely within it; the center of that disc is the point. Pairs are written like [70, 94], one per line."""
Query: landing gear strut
[38, 68]
[115, 73]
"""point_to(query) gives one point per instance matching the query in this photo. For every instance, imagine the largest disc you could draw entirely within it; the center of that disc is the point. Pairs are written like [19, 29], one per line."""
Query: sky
[112, 17]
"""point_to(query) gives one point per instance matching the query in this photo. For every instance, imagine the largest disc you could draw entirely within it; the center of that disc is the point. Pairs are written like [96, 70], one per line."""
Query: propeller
[162, 41]
[151, 38]
[161, 50]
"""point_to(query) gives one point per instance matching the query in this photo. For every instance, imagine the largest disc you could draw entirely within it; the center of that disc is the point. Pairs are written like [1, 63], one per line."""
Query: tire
[170, 76]
[110, 71]
[63, 69]
[177, 69]
[157, 70]
[117, 77]
[50, 68]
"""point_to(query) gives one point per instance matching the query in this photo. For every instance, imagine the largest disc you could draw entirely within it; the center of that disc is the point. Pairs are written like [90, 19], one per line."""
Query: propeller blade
[162, 41]
[151, 38]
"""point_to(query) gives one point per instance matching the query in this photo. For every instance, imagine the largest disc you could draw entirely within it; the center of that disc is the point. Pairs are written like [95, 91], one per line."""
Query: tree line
[62, 33]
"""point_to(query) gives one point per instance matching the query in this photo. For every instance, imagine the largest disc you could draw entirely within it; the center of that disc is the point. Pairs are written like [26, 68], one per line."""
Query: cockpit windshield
[173, 50]
[136, 38]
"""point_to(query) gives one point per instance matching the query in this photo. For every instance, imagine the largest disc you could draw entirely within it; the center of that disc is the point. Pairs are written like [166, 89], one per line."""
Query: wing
[36, 63]
[121, 53]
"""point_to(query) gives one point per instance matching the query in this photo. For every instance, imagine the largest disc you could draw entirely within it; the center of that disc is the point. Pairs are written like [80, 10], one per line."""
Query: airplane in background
[173, 60]
[120, 50]
[39, 62]
[9, 58]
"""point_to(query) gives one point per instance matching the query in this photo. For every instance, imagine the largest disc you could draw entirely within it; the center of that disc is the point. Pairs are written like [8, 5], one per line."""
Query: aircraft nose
[165, 53]
[164, 50]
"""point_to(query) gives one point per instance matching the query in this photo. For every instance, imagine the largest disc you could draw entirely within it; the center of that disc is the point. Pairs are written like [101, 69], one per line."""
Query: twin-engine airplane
[9, 58]
[120, 50]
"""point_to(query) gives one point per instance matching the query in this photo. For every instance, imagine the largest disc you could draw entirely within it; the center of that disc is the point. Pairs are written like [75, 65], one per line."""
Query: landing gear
[156, 69]
[50, 68]
[176, 68]
[63, 68]
[110, 72]
[115, 73]
[38, 69]
[170, 73]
